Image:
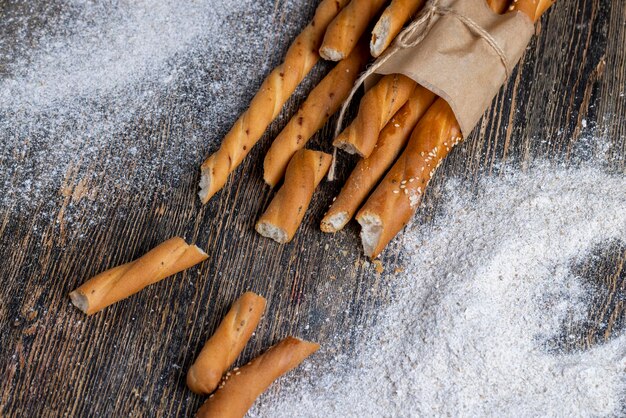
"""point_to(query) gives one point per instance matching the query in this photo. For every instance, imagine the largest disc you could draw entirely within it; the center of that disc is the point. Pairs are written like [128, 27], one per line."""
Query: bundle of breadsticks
[422, 136]
[419, 104]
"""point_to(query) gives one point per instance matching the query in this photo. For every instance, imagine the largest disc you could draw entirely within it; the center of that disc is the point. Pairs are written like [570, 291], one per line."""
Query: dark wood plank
[131, 359]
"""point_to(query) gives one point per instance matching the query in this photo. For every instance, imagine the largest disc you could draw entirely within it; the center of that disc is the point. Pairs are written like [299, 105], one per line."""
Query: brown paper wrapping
[457, 64]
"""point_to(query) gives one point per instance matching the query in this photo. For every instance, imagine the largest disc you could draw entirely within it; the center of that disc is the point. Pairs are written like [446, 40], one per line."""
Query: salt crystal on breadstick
[168, 258]
[391, 22]
[396, 198]
[345, 30]
[286, 211]
[268, 101]
[377, 107]
[223, 348]
[370, 170]
[242, 386]
[323, 101]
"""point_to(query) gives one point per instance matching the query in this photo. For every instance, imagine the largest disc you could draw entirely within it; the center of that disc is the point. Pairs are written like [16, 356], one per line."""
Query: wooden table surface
[131, 359]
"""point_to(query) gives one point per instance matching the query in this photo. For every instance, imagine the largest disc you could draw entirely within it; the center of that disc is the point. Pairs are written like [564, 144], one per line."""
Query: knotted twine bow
[410, 37]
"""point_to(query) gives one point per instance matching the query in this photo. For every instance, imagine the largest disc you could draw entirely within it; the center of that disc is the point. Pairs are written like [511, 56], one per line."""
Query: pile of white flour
[125, 96]
[487, 293]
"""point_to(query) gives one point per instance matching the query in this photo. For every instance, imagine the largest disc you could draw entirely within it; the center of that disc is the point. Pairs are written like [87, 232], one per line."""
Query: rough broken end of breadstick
[205, 185]
[379, 36]
[268, 230]
[80, 301]
[346, 146]
[334, 222]
[331, 54]
[200, 253]
[371, 231]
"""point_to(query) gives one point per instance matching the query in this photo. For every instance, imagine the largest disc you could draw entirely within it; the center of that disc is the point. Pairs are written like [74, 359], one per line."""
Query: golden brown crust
[498, 6]
[391, 22]
[534, 9]
[108, 287]
[345, 30]
[267, 103]
[322, 102]
[377, 107]
[225, 345]
[241, 386]
[396, 198]
[286, 211]
[370, 170]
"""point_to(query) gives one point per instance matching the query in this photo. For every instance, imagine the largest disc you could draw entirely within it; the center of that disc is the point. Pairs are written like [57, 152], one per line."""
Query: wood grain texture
[131, 359]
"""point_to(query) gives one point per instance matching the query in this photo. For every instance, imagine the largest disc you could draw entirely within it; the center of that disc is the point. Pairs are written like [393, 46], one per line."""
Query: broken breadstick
[323, 101]
[286, 211]
[391, 23]
[345, 30]
[377, 107]
[241, 386]
[395, 200]
[268, 101]
[369, 171]
[223, 348]
[168, 258]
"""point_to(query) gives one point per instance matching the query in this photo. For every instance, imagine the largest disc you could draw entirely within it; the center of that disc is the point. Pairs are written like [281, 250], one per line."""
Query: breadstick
[168, 258]
[241, 386]
[391, 23]
[286, 211]
[369, 171]
[345, 30]
[268, 101]
[223, 348]
[377, 107]
[395, 200]
[322, 102]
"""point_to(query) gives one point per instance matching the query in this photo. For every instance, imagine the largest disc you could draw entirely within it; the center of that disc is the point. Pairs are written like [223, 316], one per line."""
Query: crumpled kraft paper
[459, 65]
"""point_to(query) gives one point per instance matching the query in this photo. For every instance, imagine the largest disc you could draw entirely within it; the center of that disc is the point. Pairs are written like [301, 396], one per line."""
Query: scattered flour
[474, 325]
[472, 337]
[128, 95]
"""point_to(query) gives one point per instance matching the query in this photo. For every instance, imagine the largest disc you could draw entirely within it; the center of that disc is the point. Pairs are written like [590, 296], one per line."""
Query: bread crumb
[378, 265]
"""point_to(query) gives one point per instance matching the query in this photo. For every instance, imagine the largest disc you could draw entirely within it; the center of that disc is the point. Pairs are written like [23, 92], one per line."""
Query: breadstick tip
[205, 185]
[202, 384]
[200, 251]
[80, 301]
[268, 230]
[379, 36]
[343, 145]
[371, 231]
[310, 344]
[331, 54]
[334, 222]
